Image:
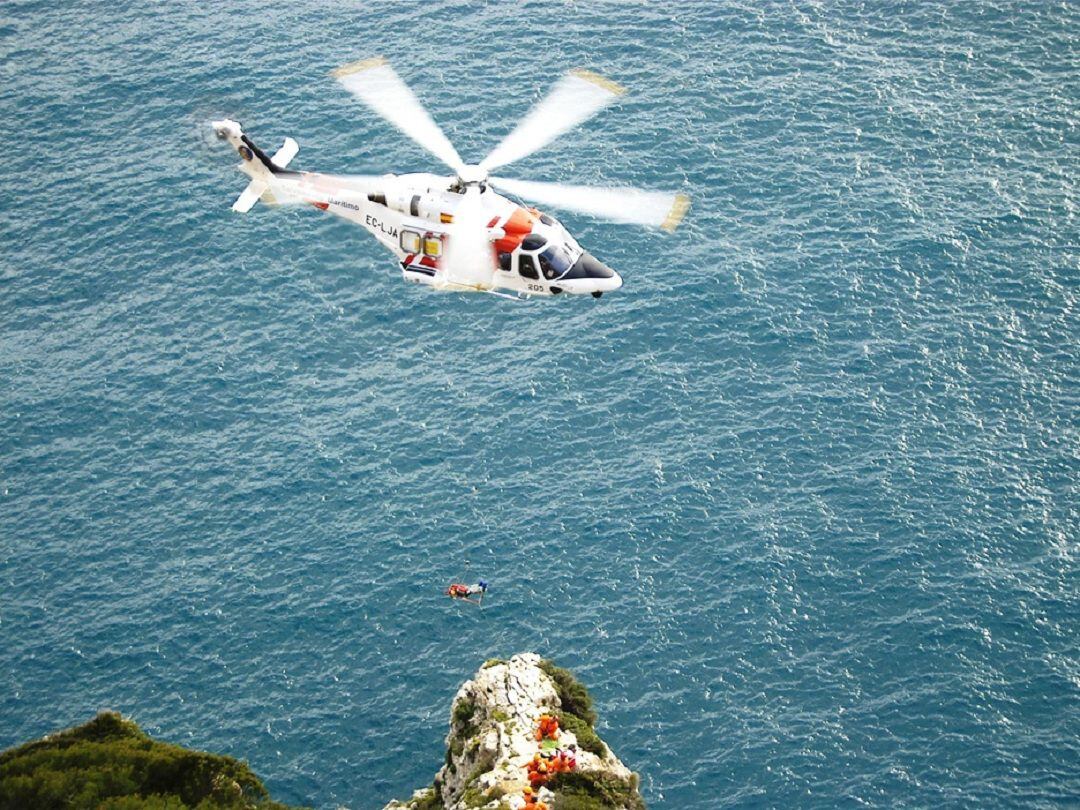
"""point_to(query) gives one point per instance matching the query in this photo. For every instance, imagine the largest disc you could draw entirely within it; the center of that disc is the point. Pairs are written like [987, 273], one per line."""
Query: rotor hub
[472, 175]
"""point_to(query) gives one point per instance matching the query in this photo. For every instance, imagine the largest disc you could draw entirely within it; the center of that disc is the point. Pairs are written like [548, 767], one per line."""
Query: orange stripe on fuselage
[517, 226]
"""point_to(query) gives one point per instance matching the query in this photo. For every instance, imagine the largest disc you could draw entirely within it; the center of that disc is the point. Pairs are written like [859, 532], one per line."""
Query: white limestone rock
[492, 736]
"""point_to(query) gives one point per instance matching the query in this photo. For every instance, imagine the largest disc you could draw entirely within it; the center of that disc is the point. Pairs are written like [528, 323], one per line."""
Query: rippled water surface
[799, 503]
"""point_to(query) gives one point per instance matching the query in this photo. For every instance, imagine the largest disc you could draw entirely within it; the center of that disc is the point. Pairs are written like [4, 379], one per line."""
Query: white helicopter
[455, 232]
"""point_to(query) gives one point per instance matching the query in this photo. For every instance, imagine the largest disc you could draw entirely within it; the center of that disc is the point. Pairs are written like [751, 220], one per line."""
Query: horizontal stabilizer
[260, 189]
[286, 153]
[249, 196]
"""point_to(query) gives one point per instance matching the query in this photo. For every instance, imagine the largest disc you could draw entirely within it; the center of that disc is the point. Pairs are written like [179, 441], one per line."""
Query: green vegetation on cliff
[112, 764]
[429, 800]
[573, 695]
[579, 790]
[577, 713]
[587, 739]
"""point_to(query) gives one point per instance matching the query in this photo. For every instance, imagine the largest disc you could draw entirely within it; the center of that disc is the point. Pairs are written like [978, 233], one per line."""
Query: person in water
[459, 591]
[479, 589]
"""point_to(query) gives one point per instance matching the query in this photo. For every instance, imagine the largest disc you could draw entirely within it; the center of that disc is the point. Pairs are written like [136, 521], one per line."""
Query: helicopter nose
[588, 266]
[589, 274]
[609, 284]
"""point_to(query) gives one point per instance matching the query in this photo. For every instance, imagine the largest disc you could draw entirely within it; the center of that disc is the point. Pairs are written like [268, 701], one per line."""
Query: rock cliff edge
[493, 737]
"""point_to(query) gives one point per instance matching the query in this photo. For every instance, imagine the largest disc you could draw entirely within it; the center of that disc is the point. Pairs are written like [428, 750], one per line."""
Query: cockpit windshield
[557, 259]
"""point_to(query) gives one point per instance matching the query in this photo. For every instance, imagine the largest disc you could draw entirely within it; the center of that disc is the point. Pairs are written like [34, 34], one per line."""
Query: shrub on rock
[573, 695]
[111, 763]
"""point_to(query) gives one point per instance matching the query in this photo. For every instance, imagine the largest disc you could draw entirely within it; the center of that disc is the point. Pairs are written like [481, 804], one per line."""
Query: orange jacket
[547, 727]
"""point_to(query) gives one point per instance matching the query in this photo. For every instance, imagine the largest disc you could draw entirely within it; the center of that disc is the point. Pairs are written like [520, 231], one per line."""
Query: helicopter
[457, 232]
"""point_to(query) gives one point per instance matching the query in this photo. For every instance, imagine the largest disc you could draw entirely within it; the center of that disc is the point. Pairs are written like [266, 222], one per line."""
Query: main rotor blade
[469, 261]
[577, 96]
[630, 205]
[376, 84]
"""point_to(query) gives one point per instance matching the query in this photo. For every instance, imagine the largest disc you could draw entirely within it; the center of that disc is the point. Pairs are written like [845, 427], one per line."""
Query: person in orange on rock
[559, 763]
[538, 775]
[547, 728]
[533, 763]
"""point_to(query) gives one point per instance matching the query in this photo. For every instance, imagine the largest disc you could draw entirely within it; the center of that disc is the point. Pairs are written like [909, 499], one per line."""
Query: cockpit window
[526, 266]
[556, 260]
[533, 241]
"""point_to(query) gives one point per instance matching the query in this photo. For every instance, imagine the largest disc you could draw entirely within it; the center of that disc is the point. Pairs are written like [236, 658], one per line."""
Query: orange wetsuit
[538, 776]
[547, 727]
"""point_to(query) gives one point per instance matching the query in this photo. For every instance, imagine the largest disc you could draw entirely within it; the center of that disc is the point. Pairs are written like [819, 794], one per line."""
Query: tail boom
[256, 165]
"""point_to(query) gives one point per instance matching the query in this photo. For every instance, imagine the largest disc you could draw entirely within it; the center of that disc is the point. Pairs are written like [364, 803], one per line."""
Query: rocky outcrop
[494, 719]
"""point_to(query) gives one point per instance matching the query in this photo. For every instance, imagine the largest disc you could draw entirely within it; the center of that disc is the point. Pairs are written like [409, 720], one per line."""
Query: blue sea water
[799, 503]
